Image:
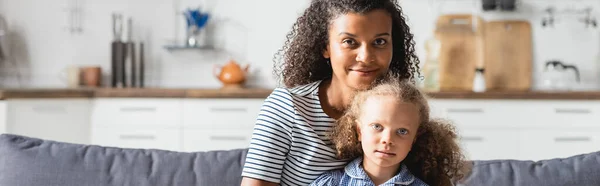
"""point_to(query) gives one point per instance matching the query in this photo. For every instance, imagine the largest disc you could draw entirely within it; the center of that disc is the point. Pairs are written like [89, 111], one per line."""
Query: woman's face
[360, 48]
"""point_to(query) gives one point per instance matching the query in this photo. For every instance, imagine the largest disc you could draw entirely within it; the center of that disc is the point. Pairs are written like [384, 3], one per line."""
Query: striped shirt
[289, 143]
[354, 174]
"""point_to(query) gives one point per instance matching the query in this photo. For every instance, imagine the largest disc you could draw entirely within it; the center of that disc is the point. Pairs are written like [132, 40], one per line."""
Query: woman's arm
[255, 182]
[271, 140]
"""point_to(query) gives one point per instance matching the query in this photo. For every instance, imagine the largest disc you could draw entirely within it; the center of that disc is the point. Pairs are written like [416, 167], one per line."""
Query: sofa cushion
[28, 161]
[580, 170]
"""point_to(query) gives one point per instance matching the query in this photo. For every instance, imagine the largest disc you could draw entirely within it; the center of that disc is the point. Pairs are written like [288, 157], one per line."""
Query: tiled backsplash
[250, 31]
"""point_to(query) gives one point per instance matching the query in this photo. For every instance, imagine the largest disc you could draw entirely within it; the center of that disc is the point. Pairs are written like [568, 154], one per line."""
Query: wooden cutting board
[508, 55]
[460, 37]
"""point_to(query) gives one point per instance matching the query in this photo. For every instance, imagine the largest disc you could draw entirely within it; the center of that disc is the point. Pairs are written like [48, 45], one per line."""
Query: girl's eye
[402, 131]
[380, 42]
[376, 126]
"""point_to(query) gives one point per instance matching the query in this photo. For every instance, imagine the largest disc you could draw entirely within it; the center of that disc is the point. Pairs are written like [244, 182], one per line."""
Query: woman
[336, 48]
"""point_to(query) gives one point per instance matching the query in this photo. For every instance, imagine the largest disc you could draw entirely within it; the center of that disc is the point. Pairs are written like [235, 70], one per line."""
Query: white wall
[252, 31]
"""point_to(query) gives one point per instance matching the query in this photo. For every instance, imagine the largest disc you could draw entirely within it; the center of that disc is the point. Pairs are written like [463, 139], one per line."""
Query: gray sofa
[28, 161]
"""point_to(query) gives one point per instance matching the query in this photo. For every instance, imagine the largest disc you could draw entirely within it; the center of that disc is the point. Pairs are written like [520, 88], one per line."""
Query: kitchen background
[183, 108]
[249, 32]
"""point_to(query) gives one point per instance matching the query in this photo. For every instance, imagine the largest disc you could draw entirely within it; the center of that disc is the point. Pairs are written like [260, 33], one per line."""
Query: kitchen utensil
[460, 37]
[231, 74]
[488, 4]
[141, 66]
[118, 53]
[560, 76]
[4, 53]
[91, 76]
[507, 5]
[508, 55]
[130, 55]
[71, 75]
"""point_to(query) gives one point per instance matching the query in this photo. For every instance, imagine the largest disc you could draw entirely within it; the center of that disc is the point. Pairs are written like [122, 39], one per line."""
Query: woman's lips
[364, 72]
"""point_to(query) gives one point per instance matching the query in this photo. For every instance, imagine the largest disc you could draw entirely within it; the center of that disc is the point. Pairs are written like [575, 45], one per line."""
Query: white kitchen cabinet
[3, 117]
[137, 137]
[552, 143]
[523, 129]
[149, 123]
[221, 113]
[220, 139]
[218, 124]
[489, 144]
[174, 124]
[66, 120]
[142, 112]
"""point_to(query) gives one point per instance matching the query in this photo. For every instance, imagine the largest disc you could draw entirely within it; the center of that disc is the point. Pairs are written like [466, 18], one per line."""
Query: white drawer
[221, 113]
[165, 139]
[565, 114]
[475, 113]
[548, 144]
[128, 111]
[207, 140]
[489, 144]
[64, 120]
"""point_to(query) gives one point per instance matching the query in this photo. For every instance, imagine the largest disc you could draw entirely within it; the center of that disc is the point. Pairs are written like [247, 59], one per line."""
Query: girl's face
[387, 129]
[360, 47]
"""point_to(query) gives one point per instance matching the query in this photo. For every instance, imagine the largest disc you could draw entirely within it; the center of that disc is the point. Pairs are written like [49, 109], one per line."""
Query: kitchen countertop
[260, 93]
[134, 93]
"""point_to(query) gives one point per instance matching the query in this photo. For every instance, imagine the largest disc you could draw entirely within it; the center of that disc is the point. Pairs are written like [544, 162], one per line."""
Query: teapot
[231, 74]
[557, 76]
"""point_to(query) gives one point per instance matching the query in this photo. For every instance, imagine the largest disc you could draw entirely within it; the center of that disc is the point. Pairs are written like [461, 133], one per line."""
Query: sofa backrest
[28, 161]
[580, 170]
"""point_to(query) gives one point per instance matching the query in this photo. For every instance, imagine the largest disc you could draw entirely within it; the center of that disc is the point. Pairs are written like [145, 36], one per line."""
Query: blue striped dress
[289, 143]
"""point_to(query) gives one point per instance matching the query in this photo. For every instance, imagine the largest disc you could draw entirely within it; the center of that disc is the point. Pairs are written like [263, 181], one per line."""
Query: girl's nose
[386, 138]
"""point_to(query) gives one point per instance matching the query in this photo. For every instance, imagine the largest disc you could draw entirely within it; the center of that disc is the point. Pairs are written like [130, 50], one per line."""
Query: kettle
[560, 76]
[232, 75]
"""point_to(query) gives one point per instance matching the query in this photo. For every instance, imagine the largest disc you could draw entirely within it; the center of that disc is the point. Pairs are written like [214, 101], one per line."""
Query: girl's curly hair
[301, 60]
[435, 156]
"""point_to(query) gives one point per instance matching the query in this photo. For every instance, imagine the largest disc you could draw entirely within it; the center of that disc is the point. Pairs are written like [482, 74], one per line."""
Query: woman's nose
[365, 54]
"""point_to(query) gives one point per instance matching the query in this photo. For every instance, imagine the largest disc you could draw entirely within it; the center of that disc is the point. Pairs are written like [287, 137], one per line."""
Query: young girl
[337, 47]
[394, 142]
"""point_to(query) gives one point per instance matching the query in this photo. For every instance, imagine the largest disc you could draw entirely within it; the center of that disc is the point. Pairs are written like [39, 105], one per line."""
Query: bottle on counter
[479, 80]
[431, 66]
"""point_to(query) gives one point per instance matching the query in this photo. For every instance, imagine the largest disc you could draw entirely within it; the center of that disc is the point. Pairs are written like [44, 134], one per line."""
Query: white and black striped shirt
[289, 144]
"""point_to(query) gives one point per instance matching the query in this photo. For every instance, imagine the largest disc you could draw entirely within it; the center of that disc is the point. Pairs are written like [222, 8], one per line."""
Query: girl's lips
[385, 154]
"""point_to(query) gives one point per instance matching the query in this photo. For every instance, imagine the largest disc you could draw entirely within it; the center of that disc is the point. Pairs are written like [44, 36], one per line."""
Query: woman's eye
[349, 41]
[376, 126]
[402, 131]
[380, 42]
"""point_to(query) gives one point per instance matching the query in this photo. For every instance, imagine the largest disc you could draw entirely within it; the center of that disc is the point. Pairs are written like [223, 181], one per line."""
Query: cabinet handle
[213, 109]
[572, 139]
[465, 110]
[137, 137]
[472, 139]
[228, 138]
[49, 109]
[138, 109]
[572, 111]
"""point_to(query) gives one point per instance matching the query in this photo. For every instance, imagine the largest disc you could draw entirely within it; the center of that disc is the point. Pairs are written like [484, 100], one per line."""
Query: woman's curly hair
[301, 60]
[435, 156]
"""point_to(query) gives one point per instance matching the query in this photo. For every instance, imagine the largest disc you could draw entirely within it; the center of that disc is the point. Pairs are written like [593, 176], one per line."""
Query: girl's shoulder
[331, 177]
